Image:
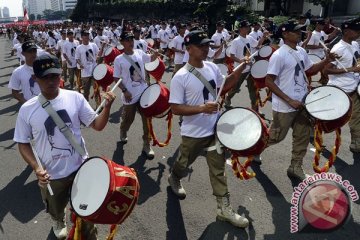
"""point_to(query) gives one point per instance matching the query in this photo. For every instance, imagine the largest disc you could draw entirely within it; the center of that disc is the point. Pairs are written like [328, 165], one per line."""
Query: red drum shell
[156, 69]
[110, 203]
[242, 131]
[258, 72]
[154, 101]
[103, 74]
[110, 55]
[330, 106]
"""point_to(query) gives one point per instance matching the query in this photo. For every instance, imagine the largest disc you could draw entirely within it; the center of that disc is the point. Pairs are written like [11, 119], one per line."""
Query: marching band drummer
[56, 153]
[129, 66]
[285, 78]
[191, 99]
[179, 49]
[348, 80]
[219, 38]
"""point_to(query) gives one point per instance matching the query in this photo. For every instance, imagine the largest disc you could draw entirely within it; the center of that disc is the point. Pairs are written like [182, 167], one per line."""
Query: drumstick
[41, 167]
[157, 52]
[318, 99]
[337, 60]
[223, 83]
[104, 101]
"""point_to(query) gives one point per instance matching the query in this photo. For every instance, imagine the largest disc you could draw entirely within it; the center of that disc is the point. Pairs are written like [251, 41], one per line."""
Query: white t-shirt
[87, 55]
[22, 79]
[19, 51]
[163, 36]
[140, 44]
[59, 47]
[290, 78]
[133, 82]
[57, 155]
[69, 49]
[51, 42]
[153, 31]
[218, 39]
[315, 40]
[346, 81]
[178, 43]
[99, 39]
[186, 89]
[240, 46]
[210, 55]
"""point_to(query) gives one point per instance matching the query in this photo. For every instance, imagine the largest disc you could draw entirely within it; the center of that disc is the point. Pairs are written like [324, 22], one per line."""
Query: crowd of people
[70, 52]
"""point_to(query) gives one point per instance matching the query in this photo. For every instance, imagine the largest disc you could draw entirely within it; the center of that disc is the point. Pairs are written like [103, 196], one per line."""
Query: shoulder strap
[137, 69]
[291, 51]
[199, 76]
[64, 129]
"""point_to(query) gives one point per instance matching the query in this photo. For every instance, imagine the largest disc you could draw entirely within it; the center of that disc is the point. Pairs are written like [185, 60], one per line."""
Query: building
[69, 4]
[56, 5]
[5, 12]
[37, 7]
[1, 13]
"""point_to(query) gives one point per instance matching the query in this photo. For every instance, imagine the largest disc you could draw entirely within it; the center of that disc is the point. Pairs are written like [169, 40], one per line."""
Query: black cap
[46, 64]
[85, 32]
[197, 37]
[244, 23]
[70, 32]
[289, 27]
[28, 45]
[137, 30]
[353, 24]
[126, 35]
[63, 31]
[220, 24]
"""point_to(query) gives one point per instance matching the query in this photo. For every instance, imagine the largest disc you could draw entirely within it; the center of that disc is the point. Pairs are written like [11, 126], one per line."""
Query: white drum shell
[259, 69]
[100, 71]
[150, 95]
[151, 66]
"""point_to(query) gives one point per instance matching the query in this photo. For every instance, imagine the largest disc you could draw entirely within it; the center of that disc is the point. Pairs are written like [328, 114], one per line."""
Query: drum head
[120, 47]
[327, 103]
[238, 129]
[150, 95]
[259, 69]
[265, 51]
[108, 51]
[314, 58]
[223, 69]
[100, 71]
[358, 89]
[151, 66]
[150, 41]
[90, 186]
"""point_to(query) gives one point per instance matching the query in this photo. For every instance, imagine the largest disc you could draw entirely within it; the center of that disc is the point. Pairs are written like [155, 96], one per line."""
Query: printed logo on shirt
[135, 76]
[300, 81]
[90, 55]
[206, 91]
[59, 144]
[32, 85]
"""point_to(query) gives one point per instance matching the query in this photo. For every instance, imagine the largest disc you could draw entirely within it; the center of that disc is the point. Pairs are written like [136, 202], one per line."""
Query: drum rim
[108, 53]
[105, 72]
[321, 120]
[216, 126]
[145, 91]
[76, 172]
[252, 67]
[157, 59]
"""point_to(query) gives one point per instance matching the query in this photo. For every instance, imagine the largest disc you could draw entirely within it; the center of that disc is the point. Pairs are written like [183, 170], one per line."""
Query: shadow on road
[174, 218]
[8, 135]
[6, 98]
[115, 116]
[21, 201]
[14, 109]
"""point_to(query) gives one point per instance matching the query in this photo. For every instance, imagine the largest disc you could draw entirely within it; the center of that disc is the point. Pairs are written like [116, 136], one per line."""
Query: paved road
[265, 200]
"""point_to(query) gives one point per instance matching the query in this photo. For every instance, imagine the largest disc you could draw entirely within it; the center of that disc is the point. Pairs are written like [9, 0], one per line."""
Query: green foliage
[38, 17]
[278, 20]
[56, 15]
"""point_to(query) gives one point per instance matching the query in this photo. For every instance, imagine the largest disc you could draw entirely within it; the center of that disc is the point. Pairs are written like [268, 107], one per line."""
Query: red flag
[26, 16]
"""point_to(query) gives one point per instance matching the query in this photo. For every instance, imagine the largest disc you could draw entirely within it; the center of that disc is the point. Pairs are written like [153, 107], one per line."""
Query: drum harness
[240, 170]
[318, 139]
[75, 232]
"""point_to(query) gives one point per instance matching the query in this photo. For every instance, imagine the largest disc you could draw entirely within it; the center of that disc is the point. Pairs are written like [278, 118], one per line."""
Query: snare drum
[258, 72]
[120, 47]
[358, 90]
[103, 74]
[150, 42]
[156, 68]
[110, 55]
[154, 101]
[330, 106]
[104, 192]
[265, 52]
[242, 131]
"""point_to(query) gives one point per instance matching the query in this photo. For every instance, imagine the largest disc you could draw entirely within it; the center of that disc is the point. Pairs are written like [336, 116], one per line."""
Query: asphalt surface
[264, 200]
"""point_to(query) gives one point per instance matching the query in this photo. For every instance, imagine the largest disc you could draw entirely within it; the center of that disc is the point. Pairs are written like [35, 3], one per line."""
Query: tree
[32, 17]
[39, 16]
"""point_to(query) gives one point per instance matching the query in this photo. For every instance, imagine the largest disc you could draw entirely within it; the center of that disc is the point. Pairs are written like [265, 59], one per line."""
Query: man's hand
[127, 96]
[296, 104]
[209, 107]
[42, 176]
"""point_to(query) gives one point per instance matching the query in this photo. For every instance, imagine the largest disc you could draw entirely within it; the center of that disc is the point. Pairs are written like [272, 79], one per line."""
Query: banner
[26, 23]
